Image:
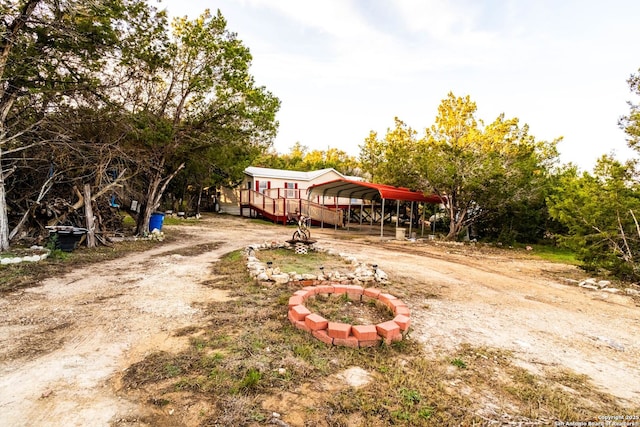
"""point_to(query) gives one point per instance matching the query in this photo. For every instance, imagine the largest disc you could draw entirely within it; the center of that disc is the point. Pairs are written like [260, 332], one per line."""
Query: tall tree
[198, 104]
[631, 123]
[601, 211]
[392, 159]
[51, 51]
[476, 168]
[371, 156]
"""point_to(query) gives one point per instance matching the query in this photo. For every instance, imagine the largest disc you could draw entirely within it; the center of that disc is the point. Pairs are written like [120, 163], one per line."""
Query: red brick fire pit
[344, 334]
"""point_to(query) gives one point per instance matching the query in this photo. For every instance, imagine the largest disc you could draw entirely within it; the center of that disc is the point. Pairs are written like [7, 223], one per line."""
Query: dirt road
[63, 342]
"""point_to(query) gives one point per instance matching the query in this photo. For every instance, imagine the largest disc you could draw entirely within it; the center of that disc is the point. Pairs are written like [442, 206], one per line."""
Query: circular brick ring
[344, 334]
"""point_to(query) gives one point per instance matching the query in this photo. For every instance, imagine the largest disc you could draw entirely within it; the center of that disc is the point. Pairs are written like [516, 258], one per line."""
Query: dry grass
[287, 261]
[249, 356]
[339, 308]
[26, 274]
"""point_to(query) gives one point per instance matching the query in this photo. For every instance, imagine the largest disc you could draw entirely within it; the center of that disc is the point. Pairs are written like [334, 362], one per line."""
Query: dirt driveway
[63, 342]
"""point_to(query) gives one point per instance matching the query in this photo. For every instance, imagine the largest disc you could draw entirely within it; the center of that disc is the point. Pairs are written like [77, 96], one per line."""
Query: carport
[380, 193]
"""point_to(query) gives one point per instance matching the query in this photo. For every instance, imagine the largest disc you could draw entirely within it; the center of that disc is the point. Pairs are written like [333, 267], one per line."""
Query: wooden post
[88, 213]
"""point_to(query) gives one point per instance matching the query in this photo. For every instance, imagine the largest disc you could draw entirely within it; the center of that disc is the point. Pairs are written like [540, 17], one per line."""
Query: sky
[343, 68]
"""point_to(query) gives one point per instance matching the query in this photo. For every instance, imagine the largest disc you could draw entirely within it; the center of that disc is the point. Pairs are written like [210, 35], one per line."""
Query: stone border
[361, 275]
[344, 334]
[27, 258]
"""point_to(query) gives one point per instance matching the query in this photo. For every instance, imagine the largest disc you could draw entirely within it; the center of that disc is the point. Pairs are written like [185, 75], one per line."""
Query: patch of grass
[287, 260]
[250, 380]
[128, 222]
[555, 254]
[459, 363]
[170, 220]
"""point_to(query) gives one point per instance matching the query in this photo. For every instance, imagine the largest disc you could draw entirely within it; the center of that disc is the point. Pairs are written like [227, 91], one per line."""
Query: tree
[300, 158]
[52, 55]
[392, 160]
[601, 213]
[196, 103]
[371, 156]
[631, 123]
[475, 169]
[601, 209]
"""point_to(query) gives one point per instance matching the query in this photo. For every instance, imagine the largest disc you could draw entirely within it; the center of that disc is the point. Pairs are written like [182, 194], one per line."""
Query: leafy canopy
[475, 169]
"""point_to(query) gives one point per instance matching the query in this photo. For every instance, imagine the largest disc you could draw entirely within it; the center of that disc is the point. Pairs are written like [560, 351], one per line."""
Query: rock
[611, 290]
[355, 377]
[255, 266]
[363, 272]
[603, 283]
[588, 282]
[630, 291]
[593, 287]
[308, 276]
[5, 261]
[381, 276]
[280, 278]
[262, 277]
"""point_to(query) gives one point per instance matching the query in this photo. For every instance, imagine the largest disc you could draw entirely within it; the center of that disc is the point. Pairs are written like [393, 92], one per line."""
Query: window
[263, 186]
[290, 192]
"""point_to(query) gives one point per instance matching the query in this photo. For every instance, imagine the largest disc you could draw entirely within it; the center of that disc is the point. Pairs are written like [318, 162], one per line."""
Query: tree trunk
[154, 195]
[88, 213]
[199, 200]
[4, 220]
[142, 225]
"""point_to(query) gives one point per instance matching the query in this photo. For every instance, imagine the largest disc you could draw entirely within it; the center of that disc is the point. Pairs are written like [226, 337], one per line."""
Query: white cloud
[344, 67]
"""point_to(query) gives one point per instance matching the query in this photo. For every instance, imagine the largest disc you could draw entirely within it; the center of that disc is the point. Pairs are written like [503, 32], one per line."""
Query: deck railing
[289, 207]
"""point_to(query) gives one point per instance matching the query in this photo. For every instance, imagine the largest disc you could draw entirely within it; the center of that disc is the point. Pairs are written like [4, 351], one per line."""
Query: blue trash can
[155, 221]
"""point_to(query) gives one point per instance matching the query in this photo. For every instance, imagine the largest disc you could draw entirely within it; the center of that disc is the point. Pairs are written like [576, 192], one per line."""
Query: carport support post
[424, 207]
[349, 215]
[397, 212]
[410, 219]
[382, 221]
[372, 212]
[335, 200]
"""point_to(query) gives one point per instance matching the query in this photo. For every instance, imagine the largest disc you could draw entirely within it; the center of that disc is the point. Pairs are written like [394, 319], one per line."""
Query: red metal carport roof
[369, 191]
